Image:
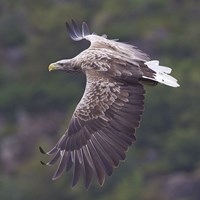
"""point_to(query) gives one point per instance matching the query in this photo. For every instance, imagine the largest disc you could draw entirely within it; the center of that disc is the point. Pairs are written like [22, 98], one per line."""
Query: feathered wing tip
[69, 160]
[161, 74]
[74, 31]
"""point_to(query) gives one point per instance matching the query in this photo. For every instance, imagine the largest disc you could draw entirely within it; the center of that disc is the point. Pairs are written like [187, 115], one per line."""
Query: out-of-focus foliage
[166, 157]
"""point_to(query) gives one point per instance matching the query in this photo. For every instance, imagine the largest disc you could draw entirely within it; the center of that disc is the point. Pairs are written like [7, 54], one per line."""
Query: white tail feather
[162, 74]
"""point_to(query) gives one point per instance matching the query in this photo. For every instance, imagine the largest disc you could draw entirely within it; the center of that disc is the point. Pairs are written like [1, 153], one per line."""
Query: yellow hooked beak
[52, 67]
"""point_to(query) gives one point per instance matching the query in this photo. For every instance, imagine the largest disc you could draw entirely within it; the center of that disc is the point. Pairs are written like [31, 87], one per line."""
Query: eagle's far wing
[101, 129]
[78, 34]
[74, 31]
[99, 42]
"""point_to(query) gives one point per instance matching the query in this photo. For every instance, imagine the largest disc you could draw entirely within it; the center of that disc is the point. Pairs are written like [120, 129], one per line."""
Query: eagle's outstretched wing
[101, 129]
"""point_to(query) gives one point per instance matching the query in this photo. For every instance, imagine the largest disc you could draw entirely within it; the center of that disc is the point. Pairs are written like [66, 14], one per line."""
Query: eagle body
[104, 122]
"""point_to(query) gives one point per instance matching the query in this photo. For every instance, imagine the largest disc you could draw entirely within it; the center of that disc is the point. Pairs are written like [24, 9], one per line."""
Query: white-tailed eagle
[104, 122]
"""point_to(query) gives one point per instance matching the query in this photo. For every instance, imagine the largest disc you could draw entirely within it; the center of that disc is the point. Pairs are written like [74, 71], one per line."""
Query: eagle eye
[61, 64]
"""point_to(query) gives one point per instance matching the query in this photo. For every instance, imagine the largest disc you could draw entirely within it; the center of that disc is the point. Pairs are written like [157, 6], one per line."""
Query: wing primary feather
[86, 152]
[80, 156]
[107, 162]
[113, 145]
[42, 150]
[54, 159]
[52, 151]
[61, 141]
[76, 29]
[72, 154]
[61, 167]
[124, 139]
[77, 170]
[112, 154]
[119, 139]
[87, 170]
[71, 32]
[99, 168]
[43, 163]
[68, 162]
[85, 29]
[108, 136]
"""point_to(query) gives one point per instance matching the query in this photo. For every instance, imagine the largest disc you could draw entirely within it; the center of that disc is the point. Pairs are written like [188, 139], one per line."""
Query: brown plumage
[104, 122]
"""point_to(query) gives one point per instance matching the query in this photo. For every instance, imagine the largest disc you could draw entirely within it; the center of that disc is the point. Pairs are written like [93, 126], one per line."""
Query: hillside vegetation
[35, 105]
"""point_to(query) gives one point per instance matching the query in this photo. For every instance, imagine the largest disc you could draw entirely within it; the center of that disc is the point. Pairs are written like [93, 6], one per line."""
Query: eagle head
[64, 65]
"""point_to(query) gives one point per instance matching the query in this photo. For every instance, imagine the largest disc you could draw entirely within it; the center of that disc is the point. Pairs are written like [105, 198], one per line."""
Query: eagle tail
[161, 74]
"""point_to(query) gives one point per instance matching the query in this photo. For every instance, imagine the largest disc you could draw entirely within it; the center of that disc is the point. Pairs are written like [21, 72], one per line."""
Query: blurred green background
[35, 105]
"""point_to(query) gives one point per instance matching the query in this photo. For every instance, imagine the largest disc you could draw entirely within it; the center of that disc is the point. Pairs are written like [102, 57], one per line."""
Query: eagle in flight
[104, 122]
